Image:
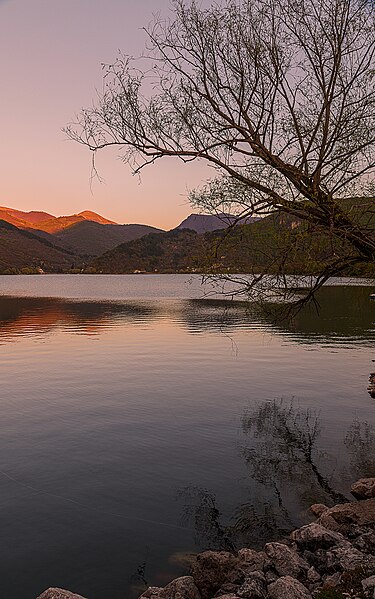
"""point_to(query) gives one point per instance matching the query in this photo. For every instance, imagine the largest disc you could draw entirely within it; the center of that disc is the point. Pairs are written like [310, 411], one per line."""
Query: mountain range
[39, 240]
[277, 243]
[46, 222]
[87, 242]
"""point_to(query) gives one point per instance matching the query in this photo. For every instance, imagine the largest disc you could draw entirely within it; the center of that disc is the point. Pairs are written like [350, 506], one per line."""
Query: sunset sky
[51, 54]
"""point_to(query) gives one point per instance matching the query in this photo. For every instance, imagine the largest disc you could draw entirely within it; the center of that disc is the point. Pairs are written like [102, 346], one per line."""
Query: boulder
[313, 536]
[152, 593]
[318, 509]
[288, 588]
[329, 522]
[212, 569]
[285, 561]
[368, 583]
[227, 589]
[251, 560]
[181, 588]
[331, 581]
[346, 557]
[365, 542]
[314, 559]
[339, 517]
[312, 575]
[364, 488]
[54, 593]
[271, 576]
[254, 587]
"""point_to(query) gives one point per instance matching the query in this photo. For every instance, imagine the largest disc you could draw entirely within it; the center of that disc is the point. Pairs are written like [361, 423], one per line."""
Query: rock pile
[331, 558]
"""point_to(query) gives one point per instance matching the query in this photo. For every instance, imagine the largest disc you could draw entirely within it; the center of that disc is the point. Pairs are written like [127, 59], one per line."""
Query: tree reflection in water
[285, 450]
[360, 444]
[201, 509]
[284, 458]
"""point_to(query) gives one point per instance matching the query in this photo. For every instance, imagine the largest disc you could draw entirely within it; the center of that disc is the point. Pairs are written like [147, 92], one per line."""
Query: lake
[142, 422]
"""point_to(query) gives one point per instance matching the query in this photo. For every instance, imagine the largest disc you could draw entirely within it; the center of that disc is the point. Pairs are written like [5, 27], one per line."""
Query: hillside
[89, 238]
[186, 250]
[277, 243]
[176, 250]
[23, 250]
[274, 244]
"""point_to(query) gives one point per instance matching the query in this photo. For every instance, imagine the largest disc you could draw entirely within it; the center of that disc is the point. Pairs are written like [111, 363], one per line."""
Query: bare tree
[277, 95]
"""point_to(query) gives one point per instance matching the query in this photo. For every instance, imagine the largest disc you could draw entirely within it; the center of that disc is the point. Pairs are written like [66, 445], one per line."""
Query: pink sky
[51, 52]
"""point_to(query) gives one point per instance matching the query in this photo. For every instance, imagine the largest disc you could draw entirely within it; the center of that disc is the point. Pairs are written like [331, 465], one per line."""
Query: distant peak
[203, 223]
[93, 216]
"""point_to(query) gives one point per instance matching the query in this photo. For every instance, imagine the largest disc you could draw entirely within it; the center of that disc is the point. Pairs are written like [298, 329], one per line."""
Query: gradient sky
[51, 53]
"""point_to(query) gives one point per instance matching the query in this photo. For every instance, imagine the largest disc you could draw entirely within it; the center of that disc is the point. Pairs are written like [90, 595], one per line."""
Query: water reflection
[25, 317]
[345, 316]
[285, 451]
[341, 313]
[371, 387]
[360, 444]
[122, 403]
[200, 509]
[284, 457]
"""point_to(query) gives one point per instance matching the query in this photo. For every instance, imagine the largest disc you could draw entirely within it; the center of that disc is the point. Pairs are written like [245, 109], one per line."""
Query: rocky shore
[331, 558]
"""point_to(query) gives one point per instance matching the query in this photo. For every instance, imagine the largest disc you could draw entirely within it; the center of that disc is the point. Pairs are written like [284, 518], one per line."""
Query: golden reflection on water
[24, 317]
[344, 315]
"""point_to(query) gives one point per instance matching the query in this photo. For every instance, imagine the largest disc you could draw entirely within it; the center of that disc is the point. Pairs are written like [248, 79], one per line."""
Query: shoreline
[199, 273]
[330, 558]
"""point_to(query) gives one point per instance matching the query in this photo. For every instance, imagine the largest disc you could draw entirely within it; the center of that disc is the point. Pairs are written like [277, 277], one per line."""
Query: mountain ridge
[43, 221]
[205, 223]
[85, 234]
[48, 223]
[77, 243]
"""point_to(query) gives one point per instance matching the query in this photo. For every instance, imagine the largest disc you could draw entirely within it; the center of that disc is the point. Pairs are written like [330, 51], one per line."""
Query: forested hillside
[260, 246]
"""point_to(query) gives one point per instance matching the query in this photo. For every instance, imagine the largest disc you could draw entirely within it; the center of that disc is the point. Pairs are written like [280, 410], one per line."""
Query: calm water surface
[141, 423]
